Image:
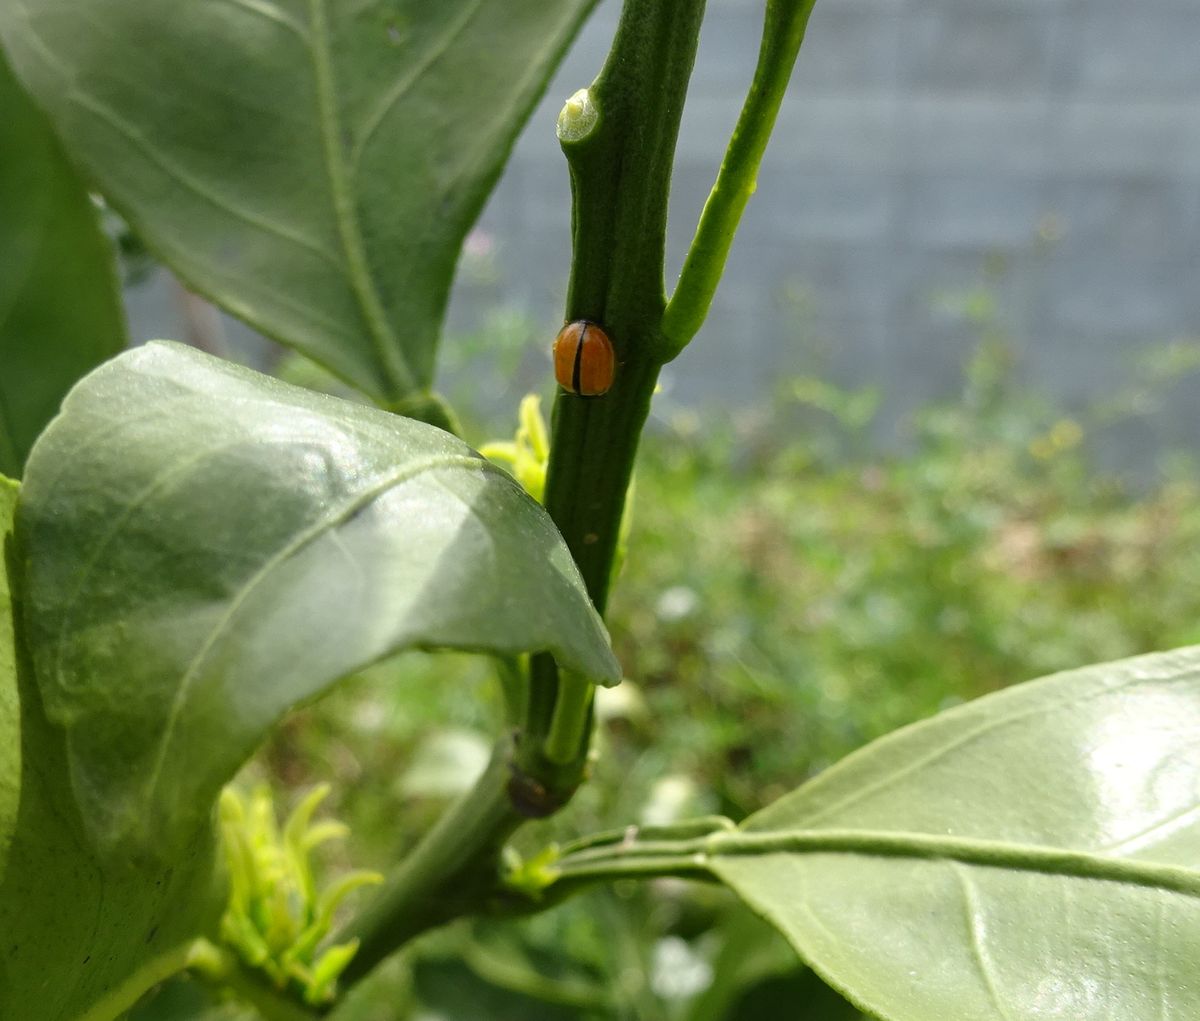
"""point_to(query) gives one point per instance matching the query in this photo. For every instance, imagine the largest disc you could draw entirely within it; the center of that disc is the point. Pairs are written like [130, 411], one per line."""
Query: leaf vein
[180, 176]
[392, 360]
[331, 521]
[401, 86]
[179, 470]
[967, 851]
[978, 938]
[271, 13]
[1151, 835]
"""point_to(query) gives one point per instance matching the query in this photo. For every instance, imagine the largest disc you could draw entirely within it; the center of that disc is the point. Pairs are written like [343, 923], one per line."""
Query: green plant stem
[571, 715]
[620, 181]
[510, 674]
[700, 826]
[627, 866]
[452, 872]
[692, 858]
[783, 32]
[620, 176]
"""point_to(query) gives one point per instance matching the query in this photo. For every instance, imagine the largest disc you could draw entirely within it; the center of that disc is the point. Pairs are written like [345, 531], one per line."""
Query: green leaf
[207, 546]
[10, 708]
[60, 310]
[78, 931]
[312, 166]
[1033, 855]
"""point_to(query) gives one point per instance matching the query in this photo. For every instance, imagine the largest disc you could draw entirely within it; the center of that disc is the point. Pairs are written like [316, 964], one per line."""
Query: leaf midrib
[392, 360]
[1069, 863]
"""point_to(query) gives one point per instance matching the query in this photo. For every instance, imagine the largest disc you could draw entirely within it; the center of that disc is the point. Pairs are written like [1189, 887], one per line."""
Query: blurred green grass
[790, 593]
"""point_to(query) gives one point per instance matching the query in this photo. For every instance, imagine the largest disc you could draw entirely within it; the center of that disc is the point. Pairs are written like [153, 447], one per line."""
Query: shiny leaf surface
[1033, 855]
[206, 547]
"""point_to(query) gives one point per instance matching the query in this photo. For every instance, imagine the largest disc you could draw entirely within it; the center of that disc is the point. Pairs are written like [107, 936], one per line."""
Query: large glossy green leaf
[1032, 856]
[60, 310]
[10, 709]
[207, 546]
[312, 165]
[79, 929]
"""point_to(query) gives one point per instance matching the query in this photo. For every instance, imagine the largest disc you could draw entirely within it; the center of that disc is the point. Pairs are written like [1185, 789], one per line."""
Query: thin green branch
[454, 871]
[574, 875]
[699, 826]
[620, 164]
[783, 32]
[571, 720]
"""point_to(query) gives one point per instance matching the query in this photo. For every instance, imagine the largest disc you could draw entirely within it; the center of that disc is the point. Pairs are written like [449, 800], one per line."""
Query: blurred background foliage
[803, 576]
[791, 593]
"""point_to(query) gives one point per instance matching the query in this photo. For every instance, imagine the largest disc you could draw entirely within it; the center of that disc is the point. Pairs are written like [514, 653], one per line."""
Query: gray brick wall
[922, 142]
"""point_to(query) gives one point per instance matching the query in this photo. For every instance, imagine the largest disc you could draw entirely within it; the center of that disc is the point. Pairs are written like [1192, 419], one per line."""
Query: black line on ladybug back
[577, 373]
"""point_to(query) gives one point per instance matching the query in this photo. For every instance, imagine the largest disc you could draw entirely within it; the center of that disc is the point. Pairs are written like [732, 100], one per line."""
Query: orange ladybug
[584, 361]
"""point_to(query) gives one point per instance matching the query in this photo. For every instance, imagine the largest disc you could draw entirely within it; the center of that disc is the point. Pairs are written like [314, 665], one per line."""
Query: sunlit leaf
[206, 547]
[1034, 855]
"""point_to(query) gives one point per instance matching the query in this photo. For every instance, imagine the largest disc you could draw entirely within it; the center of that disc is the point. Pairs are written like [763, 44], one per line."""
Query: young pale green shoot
[528, 453]
[277, 918]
